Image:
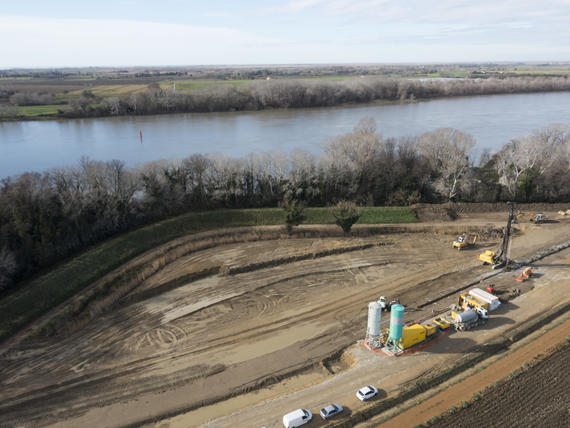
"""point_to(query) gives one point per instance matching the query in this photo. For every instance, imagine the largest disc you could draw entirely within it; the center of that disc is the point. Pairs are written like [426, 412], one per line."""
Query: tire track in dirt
[229, 340]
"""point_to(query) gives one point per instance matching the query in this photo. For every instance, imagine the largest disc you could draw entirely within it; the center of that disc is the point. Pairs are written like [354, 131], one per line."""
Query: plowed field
[539, 397]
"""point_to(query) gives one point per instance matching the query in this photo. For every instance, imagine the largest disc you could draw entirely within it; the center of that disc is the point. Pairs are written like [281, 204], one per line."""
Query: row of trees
[281, 93]
[299, 93]
[44, 217]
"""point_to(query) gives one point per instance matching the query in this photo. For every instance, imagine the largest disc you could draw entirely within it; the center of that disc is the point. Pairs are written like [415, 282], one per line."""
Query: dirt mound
[483, 207]
[434, 212]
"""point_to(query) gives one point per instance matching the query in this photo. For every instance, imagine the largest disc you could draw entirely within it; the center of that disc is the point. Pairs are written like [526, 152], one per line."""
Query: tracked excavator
[500, 258]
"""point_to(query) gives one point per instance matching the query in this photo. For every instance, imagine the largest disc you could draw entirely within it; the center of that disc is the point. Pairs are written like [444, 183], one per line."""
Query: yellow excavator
[465, 240]
[500, 258]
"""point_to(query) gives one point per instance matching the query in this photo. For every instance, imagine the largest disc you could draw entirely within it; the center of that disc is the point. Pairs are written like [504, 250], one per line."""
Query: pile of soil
[434, 212]
[483, 207]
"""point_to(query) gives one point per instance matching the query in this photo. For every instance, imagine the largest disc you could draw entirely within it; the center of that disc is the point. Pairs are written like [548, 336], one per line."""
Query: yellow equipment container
[467, 301]
[412, 335]
[430, 329]
[441, 323]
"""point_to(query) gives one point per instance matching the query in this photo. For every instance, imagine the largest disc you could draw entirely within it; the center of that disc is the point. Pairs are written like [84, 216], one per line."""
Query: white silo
[374, 317]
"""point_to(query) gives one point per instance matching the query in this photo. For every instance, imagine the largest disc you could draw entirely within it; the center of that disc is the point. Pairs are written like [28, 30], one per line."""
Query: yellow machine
[467, 301]
[487, 257]
[539, 218]
[500, 258]
[465, 240]
[441, 323]
[524, 216]
[416, 333]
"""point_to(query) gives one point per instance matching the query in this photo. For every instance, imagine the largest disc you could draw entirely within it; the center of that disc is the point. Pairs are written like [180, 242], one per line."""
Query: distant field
[36, 111]
[190, 85]
[111, 90]
[54, 287]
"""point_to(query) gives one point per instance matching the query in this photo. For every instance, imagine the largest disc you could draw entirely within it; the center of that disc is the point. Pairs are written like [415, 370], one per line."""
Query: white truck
[483, 296]
[297, 418]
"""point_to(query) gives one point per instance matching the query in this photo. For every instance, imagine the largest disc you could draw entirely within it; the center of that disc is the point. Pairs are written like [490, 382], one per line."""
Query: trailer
[468, 301]
[492, 301]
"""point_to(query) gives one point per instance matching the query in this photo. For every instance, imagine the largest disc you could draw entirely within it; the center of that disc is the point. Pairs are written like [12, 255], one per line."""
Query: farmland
[540, 396]
[83, 92]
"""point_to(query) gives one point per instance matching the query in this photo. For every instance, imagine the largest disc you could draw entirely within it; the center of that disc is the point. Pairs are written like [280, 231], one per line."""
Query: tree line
[47, 216]
[283, 93]
[302, 93]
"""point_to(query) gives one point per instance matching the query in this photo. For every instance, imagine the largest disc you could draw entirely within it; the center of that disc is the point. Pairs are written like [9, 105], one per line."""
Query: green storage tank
[396, 324]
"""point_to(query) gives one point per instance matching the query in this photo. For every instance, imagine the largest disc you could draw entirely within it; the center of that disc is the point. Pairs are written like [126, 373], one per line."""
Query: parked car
[330, 411]
[366, 393]
[297, 418]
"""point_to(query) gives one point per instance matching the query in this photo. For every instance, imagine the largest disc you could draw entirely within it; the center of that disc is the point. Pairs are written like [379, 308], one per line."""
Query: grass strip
[43, 293]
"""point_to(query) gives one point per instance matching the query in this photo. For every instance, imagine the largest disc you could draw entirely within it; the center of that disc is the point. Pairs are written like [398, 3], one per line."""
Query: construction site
[240, 327]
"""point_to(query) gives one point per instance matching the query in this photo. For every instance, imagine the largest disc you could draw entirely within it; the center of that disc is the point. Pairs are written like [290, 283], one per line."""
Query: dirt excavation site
[237, 328]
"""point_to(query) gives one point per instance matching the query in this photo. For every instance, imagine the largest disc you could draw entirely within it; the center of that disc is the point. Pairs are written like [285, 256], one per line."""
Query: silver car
[330, 411]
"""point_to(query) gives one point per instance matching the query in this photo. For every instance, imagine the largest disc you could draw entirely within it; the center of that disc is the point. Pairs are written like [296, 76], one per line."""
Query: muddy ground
[165, 351]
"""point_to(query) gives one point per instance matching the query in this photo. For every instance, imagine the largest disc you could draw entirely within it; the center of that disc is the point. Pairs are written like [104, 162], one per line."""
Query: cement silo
[396, 326]
[374, 318]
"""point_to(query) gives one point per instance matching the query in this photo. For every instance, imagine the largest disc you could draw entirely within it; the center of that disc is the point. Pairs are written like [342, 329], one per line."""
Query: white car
[297, 418]
[330, 411]
[366, 393]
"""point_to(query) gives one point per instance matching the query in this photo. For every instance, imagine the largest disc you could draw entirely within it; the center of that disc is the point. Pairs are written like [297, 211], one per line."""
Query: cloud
[46, 42]
[295, 6]
[483, 11]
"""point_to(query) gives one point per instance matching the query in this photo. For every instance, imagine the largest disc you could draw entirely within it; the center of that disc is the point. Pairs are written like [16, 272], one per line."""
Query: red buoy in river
[491, 288]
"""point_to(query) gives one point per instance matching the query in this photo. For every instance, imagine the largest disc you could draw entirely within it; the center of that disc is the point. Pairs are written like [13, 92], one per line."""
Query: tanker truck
[466, 320]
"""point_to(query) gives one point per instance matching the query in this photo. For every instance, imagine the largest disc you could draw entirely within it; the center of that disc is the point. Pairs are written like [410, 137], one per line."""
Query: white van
[297, 418]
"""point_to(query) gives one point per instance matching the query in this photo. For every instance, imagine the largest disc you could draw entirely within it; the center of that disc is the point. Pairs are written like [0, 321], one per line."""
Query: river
[491, 120]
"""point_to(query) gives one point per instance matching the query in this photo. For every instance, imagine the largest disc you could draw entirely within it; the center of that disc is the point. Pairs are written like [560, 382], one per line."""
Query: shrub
[346, 214]
[294, 212]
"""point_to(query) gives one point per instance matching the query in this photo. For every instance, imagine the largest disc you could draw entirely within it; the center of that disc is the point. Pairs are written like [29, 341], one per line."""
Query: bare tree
[447, 152]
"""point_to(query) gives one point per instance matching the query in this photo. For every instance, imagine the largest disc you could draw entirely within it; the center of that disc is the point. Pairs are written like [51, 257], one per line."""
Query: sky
[76, 33]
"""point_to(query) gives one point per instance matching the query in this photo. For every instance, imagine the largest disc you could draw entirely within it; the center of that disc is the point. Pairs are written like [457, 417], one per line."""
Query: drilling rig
[500, 258]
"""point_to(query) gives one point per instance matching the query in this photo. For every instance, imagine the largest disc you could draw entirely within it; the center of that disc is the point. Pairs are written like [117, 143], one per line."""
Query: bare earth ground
[206, 340]
[540, 397]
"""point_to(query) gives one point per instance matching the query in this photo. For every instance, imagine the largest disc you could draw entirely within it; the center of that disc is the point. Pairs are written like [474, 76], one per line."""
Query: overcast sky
[76, 33]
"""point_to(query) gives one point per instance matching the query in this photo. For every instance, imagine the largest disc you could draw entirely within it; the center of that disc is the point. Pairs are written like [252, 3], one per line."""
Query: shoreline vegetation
[59, 95]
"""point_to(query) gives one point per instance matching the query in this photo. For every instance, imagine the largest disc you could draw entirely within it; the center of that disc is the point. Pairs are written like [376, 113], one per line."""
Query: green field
[192, 85]
[37, 111]
[47, 291]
